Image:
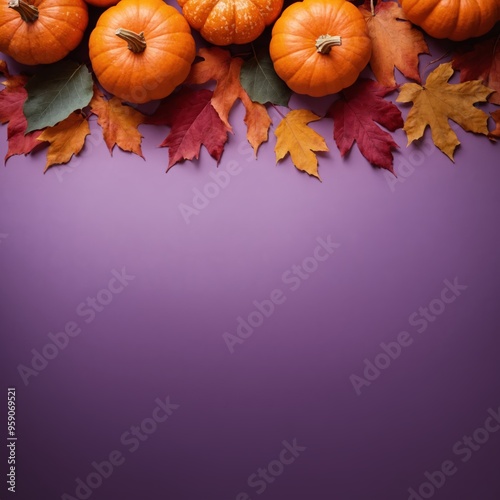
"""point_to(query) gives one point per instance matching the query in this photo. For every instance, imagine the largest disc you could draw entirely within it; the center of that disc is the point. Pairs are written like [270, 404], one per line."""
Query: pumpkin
[141, 50]
[223, 22]
[319, 47]
[457, 20]
[41, 31]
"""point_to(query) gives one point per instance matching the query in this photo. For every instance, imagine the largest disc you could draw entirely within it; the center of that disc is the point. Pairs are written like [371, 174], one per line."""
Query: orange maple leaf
[395, 42]
[294, 137]
[218, 65]
[437, 102]
[119, 123]
[66, 139]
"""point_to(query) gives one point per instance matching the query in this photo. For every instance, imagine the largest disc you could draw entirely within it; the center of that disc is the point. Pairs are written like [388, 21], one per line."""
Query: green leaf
[262, 83]
[55, 92]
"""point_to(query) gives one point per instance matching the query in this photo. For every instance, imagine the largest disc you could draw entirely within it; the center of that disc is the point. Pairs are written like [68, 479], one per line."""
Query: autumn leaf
[294, 137]
[12, 99]
[194, 122]
[55, 91]
[218, 65]
[261, 82]
[356, 115]
[257, 120]
[495, 134]
[66, 139]
[481, 63]
[395, 42]
[119, 123]
[435, 103]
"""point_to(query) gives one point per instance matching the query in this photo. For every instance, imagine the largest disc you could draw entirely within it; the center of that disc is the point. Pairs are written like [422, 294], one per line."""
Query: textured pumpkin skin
[293, 46]
[154, 73]
[223, 22]
[57, 31]
[454, 19]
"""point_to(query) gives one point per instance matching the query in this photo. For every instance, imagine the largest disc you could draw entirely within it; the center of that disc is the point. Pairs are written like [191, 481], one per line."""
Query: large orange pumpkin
[141, 50]
[41, 31]
[454, 19]
[223, 22]
[319, 47]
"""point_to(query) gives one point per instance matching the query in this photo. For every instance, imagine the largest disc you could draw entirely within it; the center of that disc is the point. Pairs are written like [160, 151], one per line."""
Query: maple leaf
[66, 139]
[300, 141]
[119, 123]
[194, 122]
[12, 99]
[439, 101]
[395, 42]
[495, 134]
[356, 114]
[482, 63]
[257, 120]
[218, 65]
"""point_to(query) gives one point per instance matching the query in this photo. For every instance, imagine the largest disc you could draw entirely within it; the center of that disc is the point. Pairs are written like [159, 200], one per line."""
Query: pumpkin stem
[372, 5]
[136, 41]
[28, 13]
[325, 43]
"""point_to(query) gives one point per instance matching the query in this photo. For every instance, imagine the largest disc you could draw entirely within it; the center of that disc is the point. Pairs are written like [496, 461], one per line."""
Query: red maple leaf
[194, 122]
[356, 115]
[482, 63]
[12, 99]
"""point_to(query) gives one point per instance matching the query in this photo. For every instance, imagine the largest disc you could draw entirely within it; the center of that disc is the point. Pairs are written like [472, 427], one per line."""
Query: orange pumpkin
[141, 50]
[457, 20]
[319, 47]
[41, 31]
[223, 22]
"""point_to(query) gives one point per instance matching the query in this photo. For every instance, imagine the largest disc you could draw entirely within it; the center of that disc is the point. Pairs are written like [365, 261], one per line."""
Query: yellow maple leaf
[119, 123]
[295, 137]
[66, 139]
[438, 101]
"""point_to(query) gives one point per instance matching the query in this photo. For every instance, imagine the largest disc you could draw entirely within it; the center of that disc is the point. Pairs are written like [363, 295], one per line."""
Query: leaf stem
[372, 5]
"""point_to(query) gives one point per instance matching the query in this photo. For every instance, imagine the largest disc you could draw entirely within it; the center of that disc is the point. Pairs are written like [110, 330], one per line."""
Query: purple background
[162, 336]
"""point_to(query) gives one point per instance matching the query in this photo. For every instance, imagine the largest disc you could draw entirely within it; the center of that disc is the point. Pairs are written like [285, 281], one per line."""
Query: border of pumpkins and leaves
[144, 50]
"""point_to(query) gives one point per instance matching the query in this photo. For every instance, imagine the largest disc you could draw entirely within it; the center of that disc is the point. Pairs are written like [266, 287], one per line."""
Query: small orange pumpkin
[223, 22]
[457, 20]
[141, 50]
[319, 47]
[41, 31]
